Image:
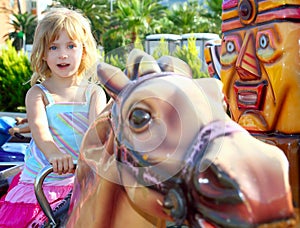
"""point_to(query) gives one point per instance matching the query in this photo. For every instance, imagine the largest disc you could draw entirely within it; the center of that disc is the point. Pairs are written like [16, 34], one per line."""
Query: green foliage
[161, 49]
[132, 19]
[138, 44]
[15, 71]
[186, 17]
[118, 57]
[213, 15]
[194, 17]
[190, 55]
[116, 61]
[120, 23]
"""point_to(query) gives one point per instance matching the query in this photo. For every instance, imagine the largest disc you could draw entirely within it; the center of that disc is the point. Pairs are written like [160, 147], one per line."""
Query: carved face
[261, 65]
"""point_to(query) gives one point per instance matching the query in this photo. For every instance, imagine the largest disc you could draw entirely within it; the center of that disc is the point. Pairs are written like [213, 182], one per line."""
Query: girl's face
[64, 56]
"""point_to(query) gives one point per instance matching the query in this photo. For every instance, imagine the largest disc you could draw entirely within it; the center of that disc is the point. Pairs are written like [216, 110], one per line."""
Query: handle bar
[20, 136]
[40, 195]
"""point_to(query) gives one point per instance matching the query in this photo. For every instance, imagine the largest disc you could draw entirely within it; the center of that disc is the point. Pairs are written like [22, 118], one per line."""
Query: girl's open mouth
[63, 65]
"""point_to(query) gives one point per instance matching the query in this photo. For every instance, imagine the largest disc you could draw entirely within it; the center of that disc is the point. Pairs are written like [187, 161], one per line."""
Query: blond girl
[60, 106]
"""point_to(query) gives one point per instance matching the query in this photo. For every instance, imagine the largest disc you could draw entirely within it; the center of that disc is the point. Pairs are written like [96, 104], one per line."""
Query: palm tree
[24, 25]
[214, 15]
[137, 18]
[193, 17]
[185, 17]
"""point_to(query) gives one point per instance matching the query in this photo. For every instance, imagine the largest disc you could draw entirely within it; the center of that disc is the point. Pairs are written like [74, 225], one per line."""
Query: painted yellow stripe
[230, 14]
[262, 6]
[267, 5]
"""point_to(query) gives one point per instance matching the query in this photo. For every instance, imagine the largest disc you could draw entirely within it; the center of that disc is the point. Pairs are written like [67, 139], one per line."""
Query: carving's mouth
[250, 95]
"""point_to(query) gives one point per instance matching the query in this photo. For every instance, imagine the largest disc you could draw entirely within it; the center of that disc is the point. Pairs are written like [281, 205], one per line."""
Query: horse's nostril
[219, 188]
[168, 203]
[175, 202]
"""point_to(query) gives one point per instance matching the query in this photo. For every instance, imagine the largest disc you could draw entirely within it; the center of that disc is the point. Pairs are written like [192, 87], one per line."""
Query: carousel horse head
[167, 141]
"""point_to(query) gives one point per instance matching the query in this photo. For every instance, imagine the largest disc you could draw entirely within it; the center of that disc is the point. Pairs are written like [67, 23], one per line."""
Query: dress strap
[88, 92]
[47, 93]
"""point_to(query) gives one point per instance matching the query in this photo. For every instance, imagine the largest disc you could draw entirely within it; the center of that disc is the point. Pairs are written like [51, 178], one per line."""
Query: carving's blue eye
[139, 118]
[230, 47]
[264, 41]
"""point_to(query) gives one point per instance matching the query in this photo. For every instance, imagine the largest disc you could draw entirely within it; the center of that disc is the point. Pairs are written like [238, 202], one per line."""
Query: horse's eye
[139, 118]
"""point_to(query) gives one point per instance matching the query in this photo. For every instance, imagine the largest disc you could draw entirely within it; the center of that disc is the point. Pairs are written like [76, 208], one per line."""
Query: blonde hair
[78, 28]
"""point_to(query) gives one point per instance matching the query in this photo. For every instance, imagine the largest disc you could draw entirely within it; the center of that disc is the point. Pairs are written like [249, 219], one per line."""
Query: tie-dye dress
[67, 122]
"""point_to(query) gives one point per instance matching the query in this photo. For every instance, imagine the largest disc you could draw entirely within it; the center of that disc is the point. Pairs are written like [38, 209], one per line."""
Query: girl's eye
[52, 48]
[71, 46]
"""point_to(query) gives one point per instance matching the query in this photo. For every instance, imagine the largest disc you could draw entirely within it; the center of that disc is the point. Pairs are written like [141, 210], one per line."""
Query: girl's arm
[38, 123]
[21, 130]
[21, 120]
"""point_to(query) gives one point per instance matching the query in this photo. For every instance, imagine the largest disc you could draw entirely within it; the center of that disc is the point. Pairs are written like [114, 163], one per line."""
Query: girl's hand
[62, 163]
[19, 130]
[20, 120]
[13, 130]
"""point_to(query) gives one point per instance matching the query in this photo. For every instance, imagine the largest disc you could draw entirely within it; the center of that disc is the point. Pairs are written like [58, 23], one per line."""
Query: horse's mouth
[250, 95]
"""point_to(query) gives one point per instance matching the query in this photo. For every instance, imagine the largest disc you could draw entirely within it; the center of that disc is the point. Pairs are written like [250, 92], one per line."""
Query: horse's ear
[212, 87]
[176, 65]
[140, 63]
[148, 65]
[112, 78]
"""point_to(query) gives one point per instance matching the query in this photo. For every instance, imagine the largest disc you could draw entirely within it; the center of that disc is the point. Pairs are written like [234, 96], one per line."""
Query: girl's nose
[63, 56]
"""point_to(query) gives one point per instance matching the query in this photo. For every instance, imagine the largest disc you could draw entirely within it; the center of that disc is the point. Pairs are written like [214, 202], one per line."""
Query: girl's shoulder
[95, 93]
[94, 88]
[35, 90]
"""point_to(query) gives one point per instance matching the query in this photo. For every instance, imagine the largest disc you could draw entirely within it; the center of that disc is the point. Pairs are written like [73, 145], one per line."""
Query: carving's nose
[247, 64]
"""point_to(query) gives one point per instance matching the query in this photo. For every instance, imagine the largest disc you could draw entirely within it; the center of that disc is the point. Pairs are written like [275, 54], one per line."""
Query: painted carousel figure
[260, 69]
